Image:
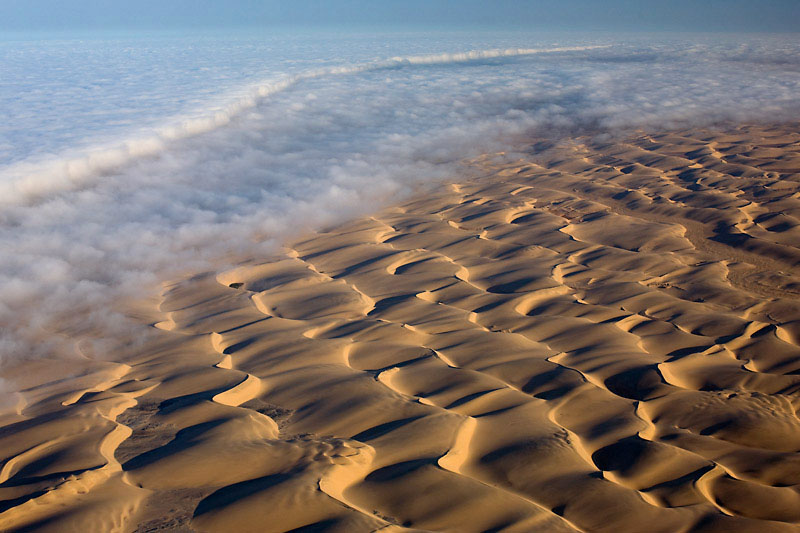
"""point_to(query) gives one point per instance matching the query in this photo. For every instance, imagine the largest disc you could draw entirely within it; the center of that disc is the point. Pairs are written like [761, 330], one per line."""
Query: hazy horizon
[566, 15]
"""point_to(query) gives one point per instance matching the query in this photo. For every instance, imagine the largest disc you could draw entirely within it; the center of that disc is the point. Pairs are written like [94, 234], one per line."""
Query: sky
[613, 15]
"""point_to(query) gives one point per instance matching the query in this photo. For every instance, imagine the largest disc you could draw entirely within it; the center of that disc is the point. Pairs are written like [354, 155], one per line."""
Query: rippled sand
[604, 336]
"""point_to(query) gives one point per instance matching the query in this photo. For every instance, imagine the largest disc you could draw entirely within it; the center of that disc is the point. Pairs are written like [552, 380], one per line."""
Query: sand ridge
[602, 336]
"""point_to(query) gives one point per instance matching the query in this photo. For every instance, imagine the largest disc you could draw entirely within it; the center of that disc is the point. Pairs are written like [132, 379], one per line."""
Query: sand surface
[601, 336]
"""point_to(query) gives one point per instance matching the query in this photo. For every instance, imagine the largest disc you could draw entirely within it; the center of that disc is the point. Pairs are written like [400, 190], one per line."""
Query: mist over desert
[527, 267]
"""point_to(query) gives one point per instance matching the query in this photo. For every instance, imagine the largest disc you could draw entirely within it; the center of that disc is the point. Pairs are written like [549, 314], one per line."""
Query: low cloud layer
[330, 138]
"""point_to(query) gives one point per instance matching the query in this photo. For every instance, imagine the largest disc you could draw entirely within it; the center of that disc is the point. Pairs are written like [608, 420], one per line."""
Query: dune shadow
[398, 470]
[183, 439]
[621, 455]
[636, 383]
[232, 493]
[510, 287]
[382, 429]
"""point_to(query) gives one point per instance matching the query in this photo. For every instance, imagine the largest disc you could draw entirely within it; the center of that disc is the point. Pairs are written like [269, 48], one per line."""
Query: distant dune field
[603, 336]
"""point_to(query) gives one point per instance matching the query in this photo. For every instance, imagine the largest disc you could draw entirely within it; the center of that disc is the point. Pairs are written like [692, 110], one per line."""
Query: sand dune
[603, 336]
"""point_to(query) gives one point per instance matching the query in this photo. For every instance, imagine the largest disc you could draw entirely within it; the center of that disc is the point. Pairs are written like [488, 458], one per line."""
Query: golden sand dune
[604, 336]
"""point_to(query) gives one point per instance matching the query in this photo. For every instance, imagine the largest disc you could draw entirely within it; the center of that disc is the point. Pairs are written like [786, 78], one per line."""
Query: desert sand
[603, 335]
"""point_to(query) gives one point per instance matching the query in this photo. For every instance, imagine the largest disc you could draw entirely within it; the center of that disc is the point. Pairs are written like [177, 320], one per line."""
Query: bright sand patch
[601, 337]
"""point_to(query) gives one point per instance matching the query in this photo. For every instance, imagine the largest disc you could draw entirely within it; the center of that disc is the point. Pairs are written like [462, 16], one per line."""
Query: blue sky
[688, 15]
